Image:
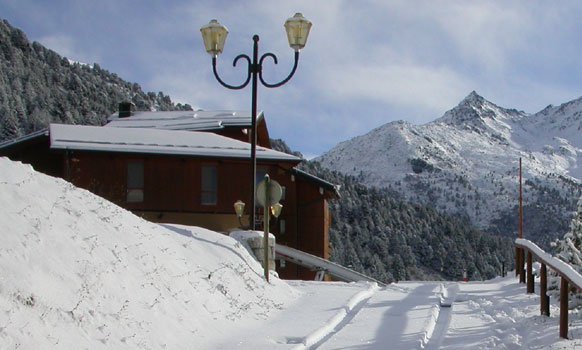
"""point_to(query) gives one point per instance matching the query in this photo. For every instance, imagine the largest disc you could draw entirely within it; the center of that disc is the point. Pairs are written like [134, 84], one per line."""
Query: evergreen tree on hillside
[569, 249]
[379, 234]
[376, 232]
[38, 87]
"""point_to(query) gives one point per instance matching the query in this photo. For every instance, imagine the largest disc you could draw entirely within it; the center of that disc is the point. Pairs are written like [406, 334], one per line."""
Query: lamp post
[214, 35]
[269, 193]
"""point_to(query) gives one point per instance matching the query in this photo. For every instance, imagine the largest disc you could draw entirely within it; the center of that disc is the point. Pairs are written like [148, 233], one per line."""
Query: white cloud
[430, 88]
[486, 32]
[406, 59]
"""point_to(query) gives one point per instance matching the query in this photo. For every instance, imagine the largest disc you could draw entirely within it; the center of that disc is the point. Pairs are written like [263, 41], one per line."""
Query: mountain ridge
[466, 162]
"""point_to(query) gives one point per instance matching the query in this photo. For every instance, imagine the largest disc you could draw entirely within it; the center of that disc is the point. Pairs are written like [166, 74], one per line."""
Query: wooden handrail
[560, 267]
[568, 275]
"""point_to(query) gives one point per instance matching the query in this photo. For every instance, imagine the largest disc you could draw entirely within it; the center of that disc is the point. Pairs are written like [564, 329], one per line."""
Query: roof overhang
[327, 186]
[24, 140]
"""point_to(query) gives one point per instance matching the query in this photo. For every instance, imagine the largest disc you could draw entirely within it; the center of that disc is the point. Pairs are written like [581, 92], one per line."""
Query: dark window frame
[209, 185]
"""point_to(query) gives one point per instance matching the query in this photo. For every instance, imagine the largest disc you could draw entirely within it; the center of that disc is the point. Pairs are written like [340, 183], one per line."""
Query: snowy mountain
[467, 162]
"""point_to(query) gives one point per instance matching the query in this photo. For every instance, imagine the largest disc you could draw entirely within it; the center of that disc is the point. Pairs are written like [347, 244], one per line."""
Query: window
[135, 181]
[209, 185]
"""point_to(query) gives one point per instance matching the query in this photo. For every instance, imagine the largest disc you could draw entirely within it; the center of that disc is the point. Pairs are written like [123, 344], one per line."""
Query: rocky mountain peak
[475, 111]
[470, 111]
[473, 100]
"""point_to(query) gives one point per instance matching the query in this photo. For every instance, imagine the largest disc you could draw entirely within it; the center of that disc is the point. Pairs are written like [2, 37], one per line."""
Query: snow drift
[80, 272]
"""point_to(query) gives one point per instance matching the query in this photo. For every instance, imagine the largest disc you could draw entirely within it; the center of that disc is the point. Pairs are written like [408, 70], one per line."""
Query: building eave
[327, 186]
[24, 139]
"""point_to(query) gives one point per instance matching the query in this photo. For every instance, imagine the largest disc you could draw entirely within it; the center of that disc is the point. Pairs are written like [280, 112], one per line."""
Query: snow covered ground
[77, 272]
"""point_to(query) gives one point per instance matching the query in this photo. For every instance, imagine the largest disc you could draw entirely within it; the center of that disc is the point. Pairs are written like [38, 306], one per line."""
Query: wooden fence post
[563, 308]
[530, 280]
[544, 298]
[568, 278]
[517, 261]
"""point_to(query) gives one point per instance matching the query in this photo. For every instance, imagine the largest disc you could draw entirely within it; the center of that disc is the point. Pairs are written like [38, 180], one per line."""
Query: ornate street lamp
[269, 193]
[214, 36]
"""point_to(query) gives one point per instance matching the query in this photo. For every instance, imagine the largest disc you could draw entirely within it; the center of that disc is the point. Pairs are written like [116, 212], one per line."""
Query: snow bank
[79, 272]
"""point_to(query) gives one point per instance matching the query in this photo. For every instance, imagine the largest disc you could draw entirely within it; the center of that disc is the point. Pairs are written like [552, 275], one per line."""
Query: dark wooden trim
[563, 308]
[530, 280]
[544, 298]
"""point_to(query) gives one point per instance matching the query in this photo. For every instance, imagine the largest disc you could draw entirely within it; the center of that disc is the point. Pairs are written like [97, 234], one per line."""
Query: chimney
[126, 109]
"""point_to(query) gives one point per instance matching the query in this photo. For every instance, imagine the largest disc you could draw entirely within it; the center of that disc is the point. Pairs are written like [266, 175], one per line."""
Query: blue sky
[366, 63]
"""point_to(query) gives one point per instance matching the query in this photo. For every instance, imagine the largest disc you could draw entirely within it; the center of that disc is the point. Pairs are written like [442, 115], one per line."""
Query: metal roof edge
[28, 137]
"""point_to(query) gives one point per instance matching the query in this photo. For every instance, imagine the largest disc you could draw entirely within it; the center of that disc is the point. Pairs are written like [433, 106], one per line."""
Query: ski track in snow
[382, 319]
[341, 319]
[443, 319]
[440, 329]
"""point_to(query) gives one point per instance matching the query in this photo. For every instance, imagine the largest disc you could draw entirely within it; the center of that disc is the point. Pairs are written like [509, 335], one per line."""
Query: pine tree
[569, 249]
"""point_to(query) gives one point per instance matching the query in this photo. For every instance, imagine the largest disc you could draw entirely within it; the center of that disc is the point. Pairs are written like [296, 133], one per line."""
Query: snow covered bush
[569, 249]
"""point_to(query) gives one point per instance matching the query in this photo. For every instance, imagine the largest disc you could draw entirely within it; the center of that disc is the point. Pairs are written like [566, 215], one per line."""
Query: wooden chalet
[186, 168]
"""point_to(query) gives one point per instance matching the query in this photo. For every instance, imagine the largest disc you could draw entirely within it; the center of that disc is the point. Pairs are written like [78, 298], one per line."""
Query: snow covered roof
[156, 141]
[184, 120]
